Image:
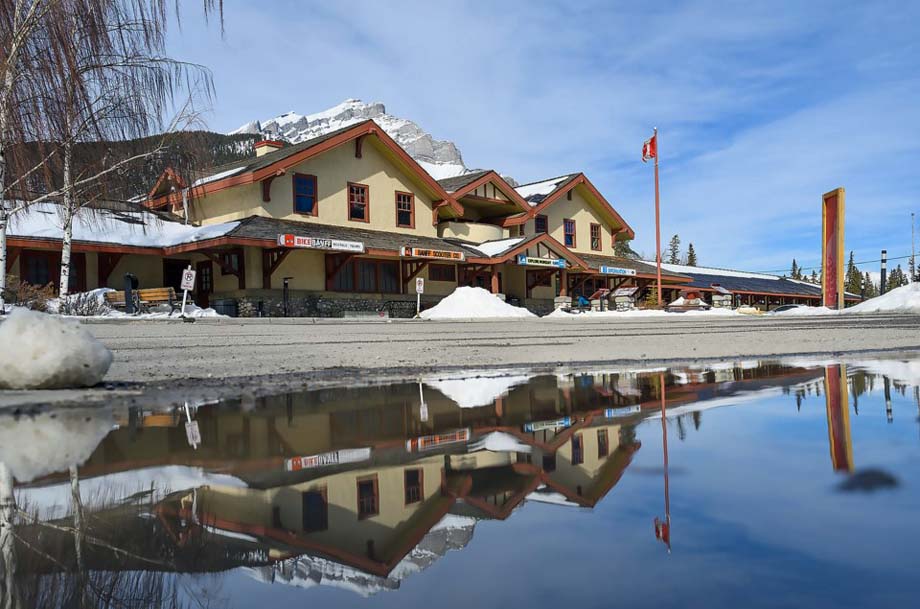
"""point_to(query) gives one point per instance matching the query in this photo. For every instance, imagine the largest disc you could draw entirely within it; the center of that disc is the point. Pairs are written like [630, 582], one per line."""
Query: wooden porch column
[495, 289]
[563, 282]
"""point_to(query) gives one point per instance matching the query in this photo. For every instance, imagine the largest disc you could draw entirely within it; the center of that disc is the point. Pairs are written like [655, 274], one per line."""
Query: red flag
[650, 148]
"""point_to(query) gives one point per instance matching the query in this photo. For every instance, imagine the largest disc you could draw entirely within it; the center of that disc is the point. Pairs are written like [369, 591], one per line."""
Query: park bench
[144, 299]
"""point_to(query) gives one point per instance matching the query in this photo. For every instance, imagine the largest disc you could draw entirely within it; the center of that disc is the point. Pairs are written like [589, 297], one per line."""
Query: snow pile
[905, 299]
[474, 303]
[806, 310]
[49, 442]
[42, 351]
[191, 310]
[476, 391]
[499, 442]
[637, 313]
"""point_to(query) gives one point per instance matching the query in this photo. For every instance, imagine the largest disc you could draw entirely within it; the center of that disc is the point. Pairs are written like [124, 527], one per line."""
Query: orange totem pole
[832, 279]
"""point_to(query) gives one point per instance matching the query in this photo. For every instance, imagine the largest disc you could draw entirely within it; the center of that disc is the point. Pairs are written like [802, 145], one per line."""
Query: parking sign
[419, 285]
[188, 280]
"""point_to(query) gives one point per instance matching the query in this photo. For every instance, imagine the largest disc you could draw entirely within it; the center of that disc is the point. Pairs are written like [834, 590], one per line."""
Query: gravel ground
[166, 360]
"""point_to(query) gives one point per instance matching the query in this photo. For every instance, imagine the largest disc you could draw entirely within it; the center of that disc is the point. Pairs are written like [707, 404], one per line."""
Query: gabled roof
[461, 186]
[643, 269]
[541, 195]
[519, 245]
[256, 169]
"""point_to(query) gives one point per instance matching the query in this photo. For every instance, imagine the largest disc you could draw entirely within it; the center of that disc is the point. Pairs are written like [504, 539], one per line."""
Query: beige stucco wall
[333, 171]
[474, 232]
[584, 214]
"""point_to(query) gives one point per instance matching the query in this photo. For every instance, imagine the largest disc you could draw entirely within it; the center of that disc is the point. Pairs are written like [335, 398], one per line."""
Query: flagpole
[657, 219]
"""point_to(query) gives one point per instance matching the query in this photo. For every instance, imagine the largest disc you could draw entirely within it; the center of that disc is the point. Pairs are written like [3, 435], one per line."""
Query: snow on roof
[702, 270]
[218, 176]
[139, 228]
[494, 248]
[540, 189]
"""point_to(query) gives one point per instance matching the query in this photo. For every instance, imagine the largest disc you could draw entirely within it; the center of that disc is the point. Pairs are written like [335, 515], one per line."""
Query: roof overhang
[544, 239]
[506, 189]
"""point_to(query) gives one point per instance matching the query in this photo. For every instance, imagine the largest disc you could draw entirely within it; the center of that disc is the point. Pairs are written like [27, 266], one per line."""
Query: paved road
[153, 351]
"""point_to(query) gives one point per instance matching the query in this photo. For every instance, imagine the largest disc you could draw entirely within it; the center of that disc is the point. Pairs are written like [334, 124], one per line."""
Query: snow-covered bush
[41, 351]
[84, 304]
[24, 294]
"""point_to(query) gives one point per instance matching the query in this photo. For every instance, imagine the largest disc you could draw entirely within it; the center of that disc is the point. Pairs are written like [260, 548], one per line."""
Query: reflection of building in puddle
[361, 487]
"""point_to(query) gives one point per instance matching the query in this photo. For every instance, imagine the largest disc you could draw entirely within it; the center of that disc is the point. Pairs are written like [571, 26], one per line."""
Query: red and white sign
[420, 252]
[419, 285]
[320, 243]
[423, 443]
[188, 280]
[336, 457]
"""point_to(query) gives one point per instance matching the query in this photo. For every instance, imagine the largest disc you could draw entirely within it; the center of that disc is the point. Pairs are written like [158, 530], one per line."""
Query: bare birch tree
[107, 57]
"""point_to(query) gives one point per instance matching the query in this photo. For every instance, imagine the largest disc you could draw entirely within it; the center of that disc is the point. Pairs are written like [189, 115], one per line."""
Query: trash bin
[226, 306]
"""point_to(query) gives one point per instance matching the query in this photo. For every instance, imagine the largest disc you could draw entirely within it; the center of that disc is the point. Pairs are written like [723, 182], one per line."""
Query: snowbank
[478, 391]
[806, 310]
[474, 303]
[42, 351]
[499, 442]
[191, 310]
[35, 446]
[905, 299]
[638, 313]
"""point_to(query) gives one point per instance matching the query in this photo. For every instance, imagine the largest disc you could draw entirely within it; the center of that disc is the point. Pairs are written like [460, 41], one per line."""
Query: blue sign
[616, 270]
[525, 260]
[623, 411]
[541, 425]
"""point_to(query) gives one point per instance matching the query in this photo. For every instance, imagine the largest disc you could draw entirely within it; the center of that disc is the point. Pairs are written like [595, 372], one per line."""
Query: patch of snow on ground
[493, 248]
[806, 310]
[905, 299]
[41, 351]
[638, 313]
[476, 391]
[499, 442]
[474, 303]
[191, 310]
[37, 445]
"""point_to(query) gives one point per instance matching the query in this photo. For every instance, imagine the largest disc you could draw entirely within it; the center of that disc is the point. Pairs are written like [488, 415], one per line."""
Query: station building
[347, 222]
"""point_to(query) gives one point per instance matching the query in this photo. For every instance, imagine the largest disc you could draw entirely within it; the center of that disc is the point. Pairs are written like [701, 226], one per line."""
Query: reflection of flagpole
[663, 529]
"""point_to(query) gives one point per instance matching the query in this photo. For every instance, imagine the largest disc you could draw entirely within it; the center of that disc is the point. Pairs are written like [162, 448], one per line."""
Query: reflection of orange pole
[663, 529]
[838, 417]
[657, 222]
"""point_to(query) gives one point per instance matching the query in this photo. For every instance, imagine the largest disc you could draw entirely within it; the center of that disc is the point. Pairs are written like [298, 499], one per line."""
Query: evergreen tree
[871, 289]
[854, 278]
[896, 278]
[814, 276]
[691, 255]
[623, 249]
[795, 273]
[674, 250]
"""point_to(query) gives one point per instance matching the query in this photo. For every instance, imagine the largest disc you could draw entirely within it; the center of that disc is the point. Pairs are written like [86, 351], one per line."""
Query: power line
[816, 267]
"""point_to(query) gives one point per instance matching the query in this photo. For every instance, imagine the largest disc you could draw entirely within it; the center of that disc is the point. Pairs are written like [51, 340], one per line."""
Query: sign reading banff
[616, 270]
[336, 457]
[531, 261]
[419, 252]
[321, 243]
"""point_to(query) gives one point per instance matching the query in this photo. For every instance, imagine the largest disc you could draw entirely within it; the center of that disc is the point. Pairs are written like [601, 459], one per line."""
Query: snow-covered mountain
[440, 158]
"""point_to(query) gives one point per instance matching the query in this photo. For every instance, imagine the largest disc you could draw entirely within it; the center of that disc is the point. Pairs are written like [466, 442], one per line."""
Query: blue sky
[762, 107]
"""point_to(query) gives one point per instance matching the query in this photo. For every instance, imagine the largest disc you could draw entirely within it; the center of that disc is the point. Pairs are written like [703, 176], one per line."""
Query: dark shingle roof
[457, 182]
[536, 199]
[260, 227]
[640, 266]
[256, 163]
[756, 284]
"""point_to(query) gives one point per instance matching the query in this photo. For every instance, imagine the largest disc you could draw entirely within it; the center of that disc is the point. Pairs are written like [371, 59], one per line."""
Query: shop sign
[419, 252]
[616, 270]
[542, 425]
[623, 411]
[531, 261]
[320, 243]
[423, 443]
[336, 457]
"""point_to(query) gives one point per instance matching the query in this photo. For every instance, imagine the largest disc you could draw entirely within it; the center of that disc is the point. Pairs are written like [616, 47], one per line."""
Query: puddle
[799, 478]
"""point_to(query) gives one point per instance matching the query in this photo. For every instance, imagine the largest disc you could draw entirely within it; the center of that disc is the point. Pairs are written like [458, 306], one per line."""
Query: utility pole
[913, 251]
[884, 271]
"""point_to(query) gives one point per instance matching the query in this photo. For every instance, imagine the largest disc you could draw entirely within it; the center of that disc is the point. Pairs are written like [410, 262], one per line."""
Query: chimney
[266, 146]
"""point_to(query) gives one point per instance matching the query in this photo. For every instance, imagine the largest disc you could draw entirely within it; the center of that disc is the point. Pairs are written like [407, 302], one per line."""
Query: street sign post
[419, 290]
[188, 283]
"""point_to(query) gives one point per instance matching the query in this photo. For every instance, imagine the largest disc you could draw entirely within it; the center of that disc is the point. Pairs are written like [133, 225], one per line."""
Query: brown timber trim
[267, 185]
[271, 260]
[105, 264]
